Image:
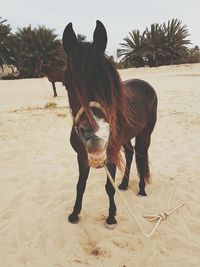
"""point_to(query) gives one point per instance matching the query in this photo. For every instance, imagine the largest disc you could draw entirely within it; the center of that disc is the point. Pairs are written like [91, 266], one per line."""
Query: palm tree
[194, 54]
[132, 51]
[154, 44]
[6, 56]
[176, 40]
[158, 45]
[35, 46]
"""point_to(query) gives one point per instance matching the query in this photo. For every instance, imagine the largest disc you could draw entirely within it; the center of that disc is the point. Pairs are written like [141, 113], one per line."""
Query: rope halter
[92, 104]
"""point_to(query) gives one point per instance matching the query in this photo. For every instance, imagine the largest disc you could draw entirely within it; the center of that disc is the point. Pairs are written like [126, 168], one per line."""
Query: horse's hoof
[73, 218]
[123, 185]
[110, 226]
[110, 223]
[142, 194]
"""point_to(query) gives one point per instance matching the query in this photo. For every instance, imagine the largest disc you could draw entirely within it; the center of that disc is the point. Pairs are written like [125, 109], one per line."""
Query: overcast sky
[119, 17]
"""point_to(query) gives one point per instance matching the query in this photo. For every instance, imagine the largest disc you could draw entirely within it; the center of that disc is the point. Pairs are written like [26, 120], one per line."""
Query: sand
[38, 175]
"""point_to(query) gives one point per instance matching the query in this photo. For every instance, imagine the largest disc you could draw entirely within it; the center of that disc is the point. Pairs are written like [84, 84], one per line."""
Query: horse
[53, 75]
[107, 114]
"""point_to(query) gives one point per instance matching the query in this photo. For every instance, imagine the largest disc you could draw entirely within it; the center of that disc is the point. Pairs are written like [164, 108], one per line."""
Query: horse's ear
[69, 39]
[100, 36]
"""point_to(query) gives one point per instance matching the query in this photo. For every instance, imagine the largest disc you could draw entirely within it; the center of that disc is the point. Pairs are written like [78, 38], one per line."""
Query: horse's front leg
[80, 189]
[111, 221]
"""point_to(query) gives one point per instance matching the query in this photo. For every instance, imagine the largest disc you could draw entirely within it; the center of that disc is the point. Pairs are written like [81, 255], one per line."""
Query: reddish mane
[91, 76]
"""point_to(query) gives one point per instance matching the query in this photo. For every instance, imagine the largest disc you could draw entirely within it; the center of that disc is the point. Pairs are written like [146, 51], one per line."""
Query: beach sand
[38, 175]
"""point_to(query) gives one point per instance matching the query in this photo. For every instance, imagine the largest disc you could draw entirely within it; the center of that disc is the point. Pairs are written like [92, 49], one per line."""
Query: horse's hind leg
[141, 153]
[54, 89]
[128, 149]
[80, 189]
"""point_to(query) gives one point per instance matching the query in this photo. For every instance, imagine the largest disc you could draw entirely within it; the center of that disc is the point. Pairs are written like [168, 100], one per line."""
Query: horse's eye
[84, 132]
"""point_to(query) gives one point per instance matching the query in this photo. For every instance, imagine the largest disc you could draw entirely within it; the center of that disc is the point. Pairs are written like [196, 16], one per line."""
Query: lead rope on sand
[160, 217]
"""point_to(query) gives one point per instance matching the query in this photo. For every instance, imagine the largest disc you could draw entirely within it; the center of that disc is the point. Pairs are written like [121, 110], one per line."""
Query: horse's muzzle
[97, 159]
[97, 155]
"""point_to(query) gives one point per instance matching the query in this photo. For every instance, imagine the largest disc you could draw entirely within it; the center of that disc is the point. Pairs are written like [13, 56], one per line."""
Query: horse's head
[95, 95]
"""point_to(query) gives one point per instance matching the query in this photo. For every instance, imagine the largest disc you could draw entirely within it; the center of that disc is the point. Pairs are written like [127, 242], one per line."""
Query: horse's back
[142, 94]
[142, 100]
[141, 87]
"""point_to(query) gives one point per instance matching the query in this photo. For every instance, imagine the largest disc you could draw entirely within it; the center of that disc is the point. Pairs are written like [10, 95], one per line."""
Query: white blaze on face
[98, 158]
[104, 130]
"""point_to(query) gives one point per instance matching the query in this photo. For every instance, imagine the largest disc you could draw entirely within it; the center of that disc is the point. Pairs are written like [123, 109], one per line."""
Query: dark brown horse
[53, 75]
[107, 114]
